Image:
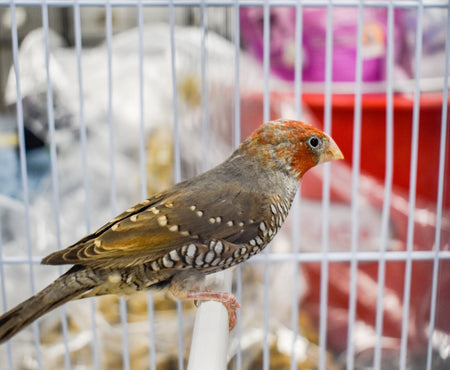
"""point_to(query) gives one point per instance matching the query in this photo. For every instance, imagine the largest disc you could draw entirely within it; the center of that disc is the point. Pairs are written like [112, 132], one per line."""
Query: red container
[373, 133]
[373, 136]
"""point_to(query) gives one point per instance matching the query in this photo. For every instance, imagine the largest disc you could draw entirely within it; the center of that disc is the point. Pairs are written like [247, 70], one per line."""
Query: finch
[199, 226]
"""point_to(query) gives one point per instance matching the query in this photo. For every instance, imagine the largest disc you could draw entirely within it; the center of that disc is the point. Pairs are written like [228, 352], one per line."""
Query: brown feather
[137, 237]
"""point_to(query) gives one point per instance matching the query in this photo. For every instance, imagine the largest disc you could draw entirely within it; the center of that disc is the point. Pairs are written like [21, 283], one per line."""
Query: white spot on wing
[162, 220]
[273, 209]
[174, 255]
[218, 248]
[114, 278]
[209, 256]
[154, 210]
[199, 260]
[191, 249]
[167, 262]
[173, 228]
[154, 265]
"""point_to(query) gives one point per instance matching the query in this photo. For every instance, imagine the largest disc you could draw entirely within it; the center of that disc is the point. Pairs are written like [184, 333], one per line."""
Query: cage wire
[105, 102]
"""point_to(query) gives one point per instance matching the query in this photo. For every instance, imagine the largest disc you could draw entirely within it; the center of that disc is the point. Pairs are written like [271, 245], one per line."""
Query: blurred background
[104, 103]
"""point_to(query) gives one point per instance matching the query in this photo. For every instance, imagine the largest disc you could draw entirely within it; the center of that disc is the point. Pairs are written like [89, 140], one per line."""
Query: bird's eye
[314, 142]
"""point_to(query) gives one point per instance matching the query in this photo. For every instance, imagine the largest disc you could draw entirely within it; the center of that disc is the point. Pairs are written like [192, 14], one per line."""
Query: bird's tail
[68, 286]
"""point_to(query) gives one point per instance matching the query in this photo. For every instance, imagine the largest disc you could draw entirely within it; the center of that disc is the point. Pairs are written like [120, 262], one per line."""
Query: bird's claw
[227, 299]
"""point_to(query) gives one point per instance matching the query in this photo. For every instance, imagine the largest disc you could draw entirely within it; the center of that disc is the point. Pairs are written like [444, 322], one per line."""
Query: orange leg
[227, 299]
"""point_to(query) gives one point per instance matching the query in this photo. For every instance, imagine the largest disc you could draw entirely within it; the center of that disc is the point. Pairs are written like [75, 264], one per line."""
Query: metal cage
[103, 102]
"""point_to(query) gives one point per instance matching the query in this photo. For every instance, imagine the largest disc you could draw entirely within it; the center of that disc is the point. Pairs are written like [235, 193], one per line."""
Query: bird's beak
[331, 153]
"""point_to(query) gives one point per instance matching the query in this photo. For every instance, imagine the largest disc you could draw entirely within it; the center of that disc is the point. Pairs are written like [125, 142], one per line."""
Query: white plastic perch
[210, 337]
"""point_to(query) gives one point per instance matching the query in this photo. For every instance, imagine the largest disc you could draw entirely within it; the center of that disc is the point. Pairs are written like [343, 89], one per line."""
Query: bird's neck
[261, 178]
[267, 157]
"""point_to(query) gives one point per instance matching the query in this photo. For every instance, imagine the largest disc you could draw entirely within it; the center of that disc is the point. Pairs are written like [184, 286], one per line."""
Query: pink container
[345, 27]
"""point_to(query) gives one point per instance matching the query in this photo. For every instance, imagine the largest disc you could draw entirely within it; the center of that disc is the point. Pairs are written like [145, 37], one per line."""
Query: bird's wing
[166, 222]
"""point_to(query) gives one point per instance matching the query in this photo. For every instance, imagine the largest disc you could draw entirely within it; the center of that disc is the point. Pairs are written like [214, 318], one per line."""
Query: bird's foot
[227, 299]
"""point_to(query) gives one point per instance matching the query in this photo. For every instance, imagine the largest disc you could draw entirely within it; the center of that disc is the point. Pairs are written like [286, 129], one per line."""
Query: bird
[199, 226]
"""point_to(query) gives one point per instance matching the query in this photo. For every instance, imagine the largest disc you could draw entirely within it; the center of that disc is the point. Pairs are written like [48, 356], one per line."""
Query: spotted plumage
[199, 226]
